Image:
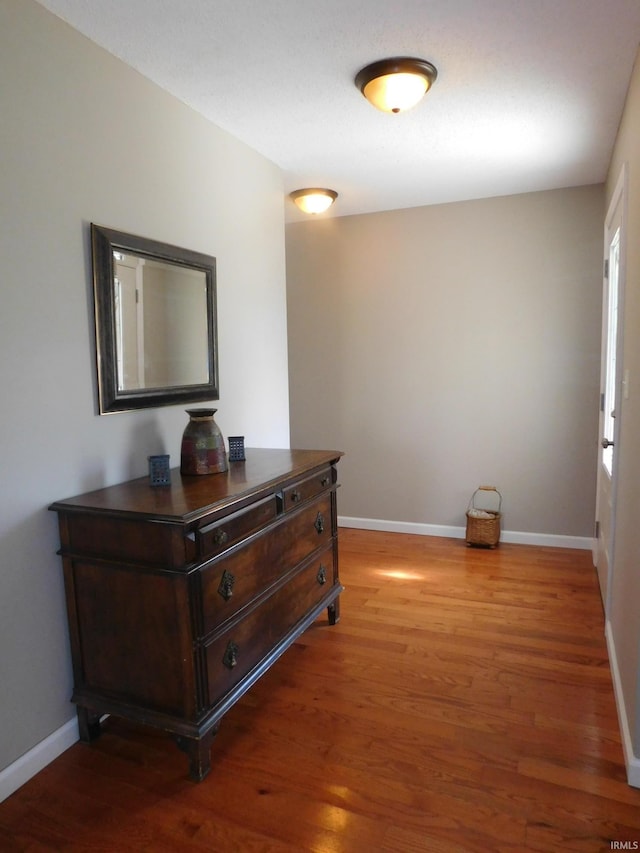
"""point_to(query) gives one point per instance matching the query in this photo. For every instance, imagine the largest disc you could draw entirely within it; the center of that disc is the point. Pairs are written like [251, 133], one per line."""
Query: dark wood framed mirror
[156, 322]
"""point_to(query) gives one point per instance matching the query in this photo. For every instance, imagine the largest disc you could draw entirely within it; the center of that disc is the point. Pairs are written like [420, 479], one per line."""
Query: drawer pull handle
[230, 658]
[226, 585]
[319, 523]
[325, 481]
[295, 496]
[220, 537]
[322, 575]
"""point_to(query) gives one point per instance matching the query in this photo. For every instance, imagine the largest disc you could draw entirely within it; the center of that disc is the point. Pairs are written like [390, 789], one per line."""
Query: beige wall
[86, 139]
[624, 616]
[448, 346]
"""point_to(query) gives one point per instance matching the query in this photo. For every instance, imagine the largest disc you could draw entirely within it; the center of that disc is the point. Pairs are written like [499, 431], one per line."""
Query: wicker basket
[484, 532]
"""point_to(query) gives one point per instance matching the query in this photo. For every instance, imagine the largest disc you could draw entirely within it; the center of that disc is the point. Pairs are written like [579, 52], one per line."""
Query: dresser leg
[199, 752]
[333, 611]
[88, 724]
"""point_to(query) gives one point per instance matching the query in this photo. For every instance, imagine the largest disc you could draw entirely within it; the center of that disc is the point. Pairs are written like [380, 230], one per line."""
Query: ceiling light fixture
[395, 85]
[314, 199]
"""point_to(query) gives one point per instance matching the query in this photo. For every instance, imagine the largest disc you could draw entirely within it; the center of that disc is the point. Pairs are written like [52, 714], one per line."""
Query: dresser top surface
[191, 497]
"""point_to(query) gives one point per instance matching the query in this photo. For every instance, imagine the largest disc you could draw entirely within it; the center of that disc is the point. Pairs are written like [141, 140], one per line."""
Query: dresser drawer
[231, 656]
[230, 583]
[308, 488]
[212, 539]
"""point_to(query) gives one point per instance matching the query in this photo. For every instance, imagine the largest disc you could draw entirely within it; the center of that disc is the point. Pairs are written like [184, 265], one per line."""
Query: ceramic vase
[203, 449]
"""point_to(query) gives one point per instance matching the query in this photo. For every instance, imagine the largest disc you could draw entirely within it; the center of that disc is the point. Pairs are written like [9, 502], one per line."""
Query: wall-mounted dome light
[314, 199]
[395, 85]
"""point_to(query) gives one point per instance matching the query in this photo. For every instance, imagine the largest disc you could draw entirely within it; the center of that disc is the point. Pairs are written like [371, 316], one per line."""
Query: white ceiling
[528, 97]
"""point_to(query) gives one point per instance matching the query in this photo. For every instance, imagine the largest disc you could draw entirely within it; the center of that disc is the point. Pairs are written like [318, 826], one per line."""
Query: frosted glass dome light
[314, 199]
[395, 85]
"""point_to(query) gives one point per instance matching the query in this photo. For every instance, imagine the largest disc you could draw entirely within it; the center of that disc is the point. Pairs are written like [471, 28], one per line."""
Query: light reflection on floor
[400, 574]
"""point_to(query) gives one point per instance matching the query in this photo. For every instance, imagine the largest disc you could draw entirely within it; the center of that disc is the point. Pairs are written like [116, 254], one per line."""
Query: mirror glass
[155, 322]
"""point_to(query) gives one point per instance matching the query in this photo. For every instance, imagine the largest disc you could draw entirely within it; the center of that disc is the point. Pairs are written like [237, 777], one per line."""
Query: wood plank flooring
[463, 704]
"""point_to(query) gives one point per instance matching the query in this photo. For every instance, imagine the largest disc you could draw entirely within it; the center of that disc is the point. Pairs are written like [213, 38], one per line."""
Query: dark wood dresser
[179, 597]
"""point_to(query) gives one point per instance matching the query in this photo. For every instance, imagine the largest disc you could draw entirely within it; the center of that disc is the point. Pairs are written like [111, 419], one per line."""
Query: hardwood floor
[463, 703]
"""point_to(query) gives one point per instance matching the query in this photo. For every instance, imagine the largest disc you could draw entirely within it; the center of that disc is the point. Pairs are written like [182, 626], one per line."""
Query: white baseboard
[632, 762]
[32, 762]
[552, 540]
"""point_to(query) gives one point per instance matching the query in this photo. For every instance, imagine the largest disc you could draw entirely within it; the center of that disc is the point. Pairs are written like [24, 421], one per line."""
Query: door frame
[618, 201]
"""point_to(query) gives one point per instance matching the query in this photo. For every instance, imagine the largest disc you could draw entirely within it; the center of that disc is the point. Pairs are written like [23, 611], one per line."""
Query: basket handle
[472, 504]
